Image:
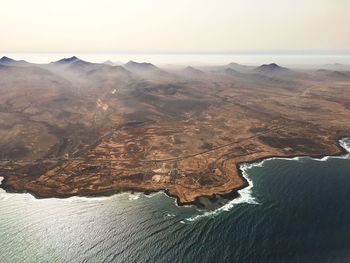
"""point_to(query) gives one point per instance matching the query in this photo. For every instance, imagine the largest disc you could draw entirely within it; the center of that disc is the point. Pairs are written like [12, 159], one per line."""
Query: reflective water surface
[296, 210]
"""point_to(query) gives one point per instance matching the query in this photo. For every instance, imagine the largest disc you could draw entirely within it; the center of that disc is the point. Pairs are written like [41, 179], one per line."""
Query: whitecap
[3, 194]
[133, 196]
[170, 215]
[344, 143]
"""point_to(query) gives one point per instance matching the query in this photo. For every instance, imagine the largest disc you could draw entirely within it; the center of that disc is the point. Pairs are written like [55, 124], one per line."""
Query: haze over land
[166, 95]
[72, 127]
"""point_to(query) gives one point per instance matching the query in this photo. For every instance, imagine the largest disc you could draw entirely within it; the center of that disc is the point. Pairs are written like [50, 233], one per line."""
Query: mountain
[110, 63]
[67, 60]
[84, 65]
[239, 67]
[108, 78]
[76, 65]
[105, 71]
[6, 60]
[334, 74]
[11, 62]
[272, 68]
[140, 67]
[148, 71]
[193, 71]
[336, 67]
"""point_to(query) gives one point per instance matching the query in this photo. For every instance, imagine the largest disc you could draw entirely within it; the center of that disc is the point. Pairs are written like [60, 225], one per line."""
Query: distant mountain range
[75, 66]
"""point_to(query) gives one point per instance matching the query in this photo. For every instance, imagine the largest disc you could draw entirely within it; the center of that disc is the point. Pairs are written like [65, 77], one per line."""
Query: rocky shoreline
[230, 194]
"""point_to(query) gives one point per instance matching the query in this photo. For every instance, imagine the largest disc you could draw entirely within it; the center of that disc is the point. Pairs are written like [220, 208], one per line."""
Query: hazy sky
[173, 25]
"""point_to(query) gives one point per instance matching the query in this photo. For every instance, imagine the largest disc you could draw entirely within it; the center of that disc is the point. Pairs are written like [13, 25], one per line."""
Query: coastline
[234, 192]
[231, 195]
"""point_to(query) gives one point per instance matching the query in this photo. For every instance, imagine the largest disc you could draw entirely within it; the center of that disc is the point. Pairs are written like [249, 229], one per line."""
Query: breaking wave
[245, 195]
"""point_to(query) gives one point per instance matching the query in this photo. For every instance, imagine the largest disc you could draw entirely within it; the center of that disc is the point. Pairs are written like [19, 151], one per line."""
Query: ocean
[295, 210]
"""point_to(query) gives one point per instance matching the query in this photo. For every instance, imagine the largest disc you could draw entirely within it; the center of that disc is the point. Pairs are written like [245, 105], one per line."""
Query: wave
[245, 195]
[170, 215]
[345, 143]
[129, 196]
[3, 194]
[133, 197]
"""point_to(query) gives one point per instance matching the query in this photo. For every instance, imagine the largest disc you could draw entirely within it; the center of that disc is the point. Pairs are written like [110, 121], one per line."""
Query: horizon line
[243, 52]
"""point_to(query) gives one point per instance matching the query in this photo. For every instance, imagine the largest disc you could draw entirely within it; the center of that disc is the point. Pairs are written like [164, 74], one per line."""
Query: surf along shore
[227, 193]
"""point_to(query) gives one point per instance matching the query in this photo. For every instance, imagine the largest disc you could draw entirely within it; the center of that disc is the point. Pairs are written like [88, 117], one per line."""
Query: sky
[176, 26]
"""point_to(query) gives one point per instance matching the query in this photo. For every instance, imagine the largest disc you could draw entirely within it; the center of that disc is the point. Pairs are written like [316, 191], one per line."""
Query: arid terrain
[73, 127]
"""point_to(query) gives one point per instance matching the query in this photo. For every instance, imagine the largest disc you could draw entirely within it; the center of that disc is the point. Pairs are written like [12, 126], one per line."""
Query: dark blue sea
[295, 210]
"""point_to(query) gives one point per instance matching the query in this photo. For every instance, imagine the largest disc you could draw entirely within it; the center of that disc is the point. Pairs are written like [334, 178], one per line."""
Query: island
[76, 128]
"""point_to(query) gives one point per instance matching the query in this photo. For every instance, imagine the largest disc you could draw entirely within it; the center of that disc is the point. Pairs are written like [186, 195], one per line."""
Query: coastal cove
[292, 209]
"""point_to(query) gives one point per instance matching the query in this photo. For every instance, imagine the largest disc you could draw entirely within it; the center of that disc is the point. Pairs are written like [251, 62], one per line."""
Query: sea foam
[245, 195]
